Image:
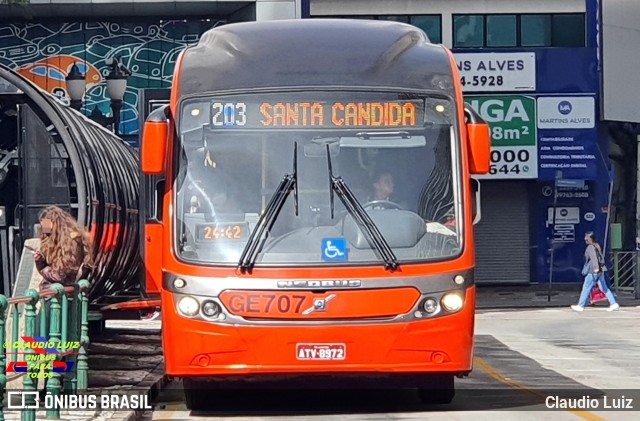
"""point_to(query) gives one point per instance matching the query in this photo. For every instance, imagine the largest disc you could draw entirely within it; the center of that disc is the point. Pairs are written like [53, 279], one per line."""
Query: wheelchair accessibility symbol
[334, 249]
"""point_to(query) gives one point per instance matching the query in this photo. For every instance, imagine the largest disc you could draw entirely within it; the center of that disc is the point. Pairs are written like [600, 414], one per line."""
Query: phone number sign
[497, 72]
[512, 120]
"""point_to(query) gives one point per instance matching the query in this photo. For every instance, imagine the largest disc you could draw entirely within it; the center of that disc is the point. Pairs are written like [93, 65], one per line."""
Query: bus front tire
[439, 389]
[195, 395]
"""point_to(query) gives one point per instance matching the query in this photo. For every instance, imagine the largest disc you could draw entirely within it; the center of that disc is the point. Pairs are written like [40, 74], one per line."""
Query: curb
[540, 302]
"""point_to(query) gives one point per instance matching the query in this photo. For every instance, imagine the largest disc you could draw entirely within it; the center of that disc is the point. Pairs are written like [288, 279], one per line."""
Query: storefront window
[535, 30]
[468, 31]
[568, 31]
[549, 30]
[429, 24]
[501, 31]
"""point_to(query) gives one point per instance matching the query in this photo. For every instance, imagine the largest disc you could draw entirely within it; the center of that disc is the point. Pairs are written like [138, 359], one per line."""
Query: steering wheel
[382, 204]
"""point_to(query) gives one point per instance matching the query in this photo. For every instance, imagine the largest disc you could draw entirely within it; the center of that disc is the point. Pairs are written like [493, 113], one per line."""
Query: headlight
[179, 283]
[430, 305]
[188, 305]
[452, 302]
[210, 309]
[459, 279]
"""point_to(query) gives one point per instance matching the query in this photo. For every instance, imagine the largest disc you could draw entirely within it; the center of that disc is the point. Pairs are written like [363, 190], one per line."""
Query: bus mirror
[479, 142]
[155, 137]
[154, 146]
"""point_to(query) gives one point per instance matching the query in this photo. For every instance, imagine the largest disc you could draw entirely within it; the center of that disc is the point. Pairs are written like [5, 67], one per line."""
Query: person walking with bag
[593, 271]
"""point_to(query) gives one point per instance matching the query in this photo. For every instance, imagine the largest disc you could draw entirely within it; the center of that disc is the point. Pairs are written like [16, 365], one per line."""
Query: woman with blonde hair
[65, 248]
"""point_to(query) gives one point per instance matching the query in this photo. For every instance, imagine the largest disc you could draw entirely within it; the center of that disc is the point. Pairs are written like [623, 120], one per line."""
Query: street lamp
[76, 85]
[116, 88]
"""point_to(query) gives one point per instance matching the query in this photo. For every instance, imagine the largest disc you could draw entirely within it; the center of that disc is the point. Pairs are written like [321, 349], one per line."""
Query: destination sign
[318, 114]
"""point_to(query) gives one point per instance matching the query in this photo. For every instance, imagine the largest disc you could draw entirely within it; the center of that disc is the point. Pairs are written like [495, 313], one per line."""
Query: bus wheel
[195, 395]
[439, 389]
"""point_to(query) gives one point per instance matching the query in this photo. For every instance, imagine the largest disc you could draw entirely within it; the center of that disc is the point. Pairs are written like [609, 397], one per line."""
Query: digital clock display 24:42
[232, 231]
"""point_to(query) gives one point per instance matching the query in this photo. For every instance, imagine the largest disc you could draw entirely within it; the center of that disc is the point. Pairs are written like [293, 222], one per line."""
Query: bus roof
[314, 52]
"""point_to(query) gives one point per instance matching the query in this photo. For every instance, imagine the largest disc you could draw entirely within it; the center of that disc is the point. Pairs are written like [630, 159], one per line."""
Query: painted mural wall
[45, 52]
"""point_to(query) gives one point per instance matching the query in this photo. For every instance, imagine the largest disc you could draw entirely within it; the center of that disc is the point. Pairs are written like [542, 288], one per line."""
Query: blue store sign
[567, 137]
[572, 151]
[580, 206]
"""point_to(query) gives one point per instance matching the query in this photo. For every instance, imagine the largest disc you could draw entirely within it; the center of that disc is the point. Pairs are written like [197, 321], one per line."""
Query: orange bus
[311, 207]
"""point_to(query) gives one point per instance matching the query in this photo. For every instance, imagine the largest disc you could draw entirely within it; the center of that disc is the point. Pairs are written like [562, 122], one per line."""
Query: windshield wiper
[362, 218]
[260, 233]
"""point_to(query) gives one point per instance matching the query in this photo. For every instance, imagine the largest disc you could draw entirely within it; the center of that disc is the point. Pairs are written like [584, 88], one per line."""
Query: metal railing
[53, 346]
[626, 272]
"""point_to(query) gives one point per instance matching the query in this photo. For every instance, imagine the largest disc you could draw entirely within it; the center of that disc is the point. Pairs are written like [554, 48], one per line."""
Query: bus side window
[475, 201]
[152, 194]
[158, 195]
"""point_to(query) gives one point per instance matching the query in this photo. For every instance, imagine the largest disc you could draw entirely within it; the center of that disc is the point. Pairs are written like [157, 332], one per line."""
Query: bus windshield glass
[396, 152]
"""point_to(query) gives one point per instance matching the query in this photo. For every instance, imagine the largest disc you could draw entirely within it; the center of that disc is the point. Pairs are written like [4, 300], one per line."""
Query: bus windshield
[395, 152]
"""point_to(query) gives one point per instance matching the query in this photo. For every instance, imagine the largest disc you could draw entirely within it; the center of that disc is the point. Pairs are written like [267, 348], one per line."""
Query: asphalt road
[525, 360]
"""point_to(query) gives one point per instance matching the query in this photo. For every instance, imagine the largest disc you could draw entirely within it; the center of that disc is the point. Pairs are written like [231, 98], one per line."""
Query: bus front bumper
[196, 348]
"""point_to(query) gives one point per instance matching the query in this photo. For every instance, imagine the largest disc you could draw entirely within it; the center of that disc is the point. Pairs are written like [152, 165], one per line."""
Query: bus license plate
[321, 351]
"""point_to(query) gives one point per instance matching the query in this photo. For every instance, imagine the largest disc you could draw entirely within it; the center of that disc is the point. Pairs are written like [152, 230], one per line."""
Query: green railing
[59, 315]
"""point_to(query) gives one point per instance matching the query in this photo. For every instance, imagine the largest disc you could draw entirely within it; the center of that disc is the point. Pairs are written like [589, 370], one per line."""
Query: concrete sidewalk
[127, 357]
[536, 296]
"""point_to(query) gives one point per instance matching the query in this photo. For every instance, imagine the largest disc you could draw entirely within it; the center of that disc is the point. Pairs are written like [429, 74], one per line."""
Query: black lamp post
[76, 85]
[116, 88]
